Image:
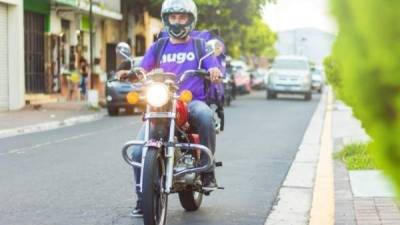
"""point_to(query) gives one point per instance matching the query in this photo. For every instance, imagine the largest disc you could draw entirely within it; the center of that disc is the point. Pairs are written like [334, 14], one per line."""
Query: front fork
[169, 158]
[169, 154]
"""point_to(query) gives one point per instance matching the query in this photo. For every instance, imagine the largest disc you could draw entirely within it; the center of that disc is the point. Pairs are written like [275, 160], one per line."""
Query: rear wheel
[154, 200]
[190, 200]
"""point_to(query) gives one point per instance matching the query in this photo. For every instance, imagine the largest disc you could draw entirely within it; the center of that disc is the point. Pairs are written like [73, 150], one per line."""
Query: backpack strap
[159, 49]
[200, 51]
[199, 47]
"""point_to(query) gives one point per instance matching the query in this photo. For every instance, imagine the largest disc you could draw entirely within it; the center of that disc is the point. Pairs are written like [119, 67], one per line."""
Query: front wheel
[308, 96]
[190, 200]
[154, 200]
[130, 110]
[271, 95]
[112, 111]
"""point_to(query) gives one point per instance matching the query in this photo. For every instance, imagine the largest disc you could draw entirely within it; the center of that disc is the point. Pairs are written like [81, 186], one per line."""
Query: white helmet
[180, 31]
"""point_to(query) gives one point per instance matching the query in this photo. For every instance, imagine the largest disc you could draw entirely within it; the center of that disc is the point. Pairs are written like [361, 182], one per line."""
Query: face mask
[178, 31]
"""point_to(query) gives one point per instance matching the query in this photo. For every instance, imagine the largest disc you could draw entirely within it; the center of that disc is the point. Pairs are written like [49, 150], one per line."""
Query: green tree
[234, 18]
[258, 39]
[231, 17]
[368, 53]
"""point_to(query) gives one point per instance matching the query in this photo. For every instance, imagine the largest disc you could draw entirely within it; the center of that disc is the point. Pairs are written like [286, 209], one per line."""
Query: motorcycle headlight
[157, 94]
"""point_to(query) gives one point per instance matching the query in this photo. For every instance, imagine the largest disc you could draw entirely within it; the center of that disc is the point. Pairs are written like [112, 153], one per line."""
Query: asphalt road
[76, 176]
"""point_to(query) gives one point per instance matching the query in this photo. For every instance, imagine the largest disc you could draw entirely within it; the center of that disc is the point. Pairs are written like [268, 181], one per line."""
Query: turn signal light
[186, 96]
[132, 97]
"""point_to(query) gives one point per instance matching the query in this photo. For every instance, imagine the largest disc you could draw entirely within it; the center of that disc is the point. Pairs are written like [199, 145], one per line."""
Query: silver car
[289, 74]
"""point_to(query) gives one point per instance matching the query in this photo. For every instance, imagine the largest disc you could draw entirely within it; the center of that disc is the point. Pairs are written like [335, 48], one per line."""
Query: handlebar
[201, 73]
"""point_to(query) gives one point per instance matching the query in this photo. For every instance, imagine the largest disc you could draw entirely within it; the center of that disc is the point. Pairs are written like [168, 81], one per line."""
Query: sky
[289, 14]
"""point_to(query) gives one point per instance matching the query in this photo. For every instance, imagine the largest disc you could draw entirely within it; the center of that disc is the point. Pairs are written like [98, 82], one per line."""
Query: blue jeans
[201, 119]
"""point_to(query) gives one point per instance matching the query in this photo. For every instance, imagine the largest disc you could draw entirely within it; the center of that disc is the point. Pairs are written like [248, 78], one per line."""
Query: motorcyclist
[179, 18]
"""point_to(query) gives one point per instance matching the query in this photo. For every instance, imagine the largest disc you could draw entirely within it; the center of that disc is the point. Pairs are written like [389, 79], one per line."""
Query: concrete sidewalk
[319, 190]
[366, 200]
[47, 116]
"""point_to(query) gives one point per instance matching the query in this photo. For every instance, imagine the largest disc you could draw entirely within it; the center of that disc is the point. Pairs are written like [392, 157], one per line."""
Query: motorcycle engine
[184, 161]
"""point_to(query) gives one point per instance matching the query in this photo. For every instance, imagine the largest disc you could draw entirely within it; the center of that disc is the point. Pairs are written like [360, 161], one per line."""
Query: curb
[323, 206]
[294, 201]
[50, 125]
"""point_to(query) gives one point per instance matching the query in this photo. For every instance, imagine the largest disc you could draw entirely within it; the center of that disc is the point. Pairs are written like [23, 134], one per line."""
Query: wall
[16, 54]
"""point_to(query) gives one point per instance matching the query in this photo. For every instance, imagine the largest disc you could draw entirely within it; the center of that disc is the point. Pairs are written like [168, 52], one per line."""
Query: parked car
[257, 78]
[241, 77]
[317, 77]
[117, 90]
[289, 74]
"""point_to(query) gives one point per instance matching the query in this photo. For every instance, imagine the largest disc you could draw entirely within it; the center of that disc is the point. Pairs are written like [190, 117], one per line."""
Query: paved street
[75, 175]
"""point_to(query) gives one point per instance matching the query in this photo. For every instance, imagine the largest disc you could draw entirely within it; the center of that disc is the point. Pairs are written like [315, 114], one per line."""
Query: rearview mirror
[215, 46]
[124, 50]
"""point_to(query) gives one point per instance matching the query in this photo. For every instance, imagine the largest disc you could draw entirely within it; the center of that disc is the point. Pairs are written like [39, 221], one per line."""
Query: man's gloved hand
[215, 75]
[131, 75]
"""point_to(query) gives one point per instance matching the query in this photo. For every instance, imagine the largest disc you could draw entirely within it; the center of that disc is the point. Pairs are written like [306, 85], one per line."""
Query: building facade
[11, 55]
[57, 39]
[41, 43]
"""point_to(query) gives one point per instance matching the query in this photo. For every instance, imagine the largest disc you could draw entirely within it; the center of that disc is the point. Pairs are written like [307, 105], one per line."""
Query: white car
[289, 74]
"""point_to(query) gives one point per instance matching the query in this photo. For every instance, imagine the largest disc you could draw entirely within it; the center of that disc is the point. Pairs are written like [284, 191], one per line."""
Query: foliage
[332, 74]
[356, 157]
[368, 52]
[258, 39]
[233, 18]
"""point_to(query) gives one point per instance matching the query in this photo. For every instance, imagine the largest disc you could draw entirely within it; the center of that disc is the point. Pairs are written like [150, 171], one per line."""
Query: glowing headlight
[157, 95]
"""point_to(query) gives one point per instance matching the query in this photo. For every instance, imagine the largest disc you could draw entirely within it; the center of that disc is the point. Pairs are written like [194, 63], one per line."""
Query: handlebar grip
[203, 73]
[131, 76]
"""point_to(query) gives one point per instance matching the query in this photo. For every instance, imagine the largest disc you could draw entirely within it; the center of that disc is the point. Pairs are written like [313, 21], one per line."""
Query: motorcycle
[228, 90]
[171, 151]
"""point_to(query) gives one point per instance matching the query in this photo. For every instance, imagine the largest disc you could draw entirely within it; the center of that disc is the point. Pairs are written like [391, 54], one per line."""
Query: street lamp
[303, 41]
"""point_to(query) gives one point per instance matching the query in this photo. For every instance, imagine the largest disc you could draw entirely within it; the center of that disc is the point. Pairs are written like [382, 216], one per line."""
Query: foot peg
[218, 164]
[207, 191]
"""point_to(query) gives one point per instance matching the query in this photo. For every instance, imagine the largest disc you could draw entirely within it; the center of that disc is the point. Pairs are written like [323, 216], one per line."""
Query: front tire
[271, 95]
[308, 96]
[112, 111]
[154, 201]
[190, 200]
[130, 110]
